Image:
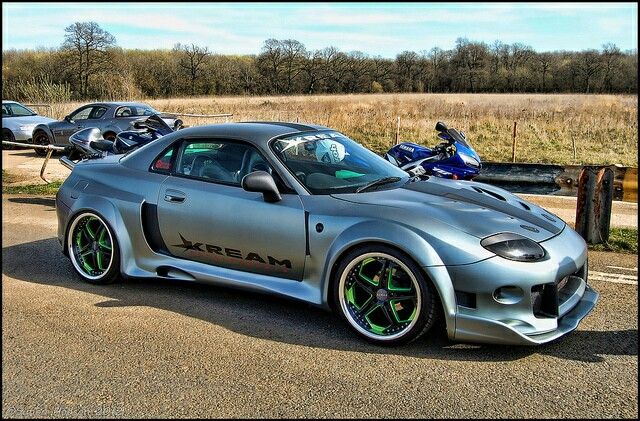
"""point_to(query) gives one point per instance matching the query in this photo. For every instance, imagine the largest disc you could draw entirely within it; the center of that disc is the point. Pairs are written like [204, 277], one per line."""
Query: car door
[206, 216]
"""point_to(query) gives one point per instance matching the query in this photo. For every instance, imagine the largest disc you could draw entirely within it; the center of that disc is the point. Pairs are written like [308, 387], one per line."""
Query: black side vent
[151, 229]
[524, 205]
[490, 193]
[548, 217]
[466, 299]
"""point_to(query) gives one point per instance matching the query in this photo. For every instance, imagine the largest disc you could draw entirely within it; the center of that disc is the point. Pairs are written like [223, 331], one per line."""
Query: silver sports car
[304, 211]
[110, 117]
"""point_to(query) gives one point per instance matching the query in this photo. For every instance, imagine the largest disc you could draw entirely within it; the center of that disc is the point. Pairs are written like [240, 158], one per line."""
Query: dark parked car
[110, 117]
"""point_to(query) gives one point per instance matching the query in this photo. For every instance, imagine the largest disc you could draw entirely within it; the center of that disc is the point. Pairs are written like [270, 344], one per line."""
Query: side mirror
[68, 119]
[262, 182]
[441, 127]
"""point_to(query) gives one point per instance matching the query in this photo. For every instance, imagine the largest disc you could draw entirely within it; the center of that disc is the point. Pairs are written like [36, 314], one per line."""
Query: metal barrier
[49, 148]
[556, 180]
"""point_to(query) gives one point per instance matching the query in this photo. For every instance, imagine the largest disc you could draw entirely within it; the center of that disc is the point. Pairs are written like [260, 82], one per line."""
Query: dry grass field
[604, 127]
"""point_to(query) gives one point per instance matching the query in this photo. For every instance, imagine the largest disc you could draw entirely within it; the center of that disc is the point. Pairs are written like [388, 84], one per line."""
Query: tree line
[89, 65]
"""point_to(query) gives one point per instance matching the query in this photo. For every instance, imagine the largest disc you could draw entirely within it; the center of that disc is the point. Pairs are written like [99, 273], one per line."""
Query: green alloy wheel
[93, 249]
[383, 296]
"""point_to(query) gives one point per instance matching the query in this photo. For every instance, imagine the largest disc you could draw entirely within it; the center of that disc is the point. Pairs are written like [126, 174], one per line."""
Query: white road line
[617, 278]
[621, 268]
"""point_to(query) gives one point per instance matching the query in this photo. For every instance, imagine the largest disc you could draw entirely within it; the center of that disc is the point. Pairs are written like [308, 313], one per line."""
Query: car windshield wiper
[379, 182]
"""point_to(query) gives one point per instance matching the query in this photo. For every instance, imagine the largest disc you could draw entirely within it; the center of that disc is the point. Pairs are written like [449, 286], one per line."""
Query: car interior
[229, 162]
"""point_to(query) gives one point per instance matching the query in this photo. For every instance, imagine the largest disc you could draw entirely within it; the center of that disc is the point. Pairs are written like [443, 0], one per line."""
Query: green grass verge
[621, 240]
[39, 189]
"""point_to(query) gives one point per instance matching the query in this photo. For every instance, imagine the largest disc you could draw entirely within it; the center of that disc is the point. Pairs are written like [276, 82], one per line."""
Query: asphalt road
[155, 348]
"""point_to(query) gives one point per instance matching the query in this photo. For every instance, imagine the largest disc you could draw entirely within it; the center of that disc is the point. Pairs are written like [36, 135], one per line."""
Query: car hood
[475, 208]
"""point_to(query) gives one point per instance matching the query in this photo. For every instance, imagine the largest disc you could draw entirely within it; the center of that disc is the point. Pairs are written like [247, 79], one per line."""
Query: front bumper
[559, 282]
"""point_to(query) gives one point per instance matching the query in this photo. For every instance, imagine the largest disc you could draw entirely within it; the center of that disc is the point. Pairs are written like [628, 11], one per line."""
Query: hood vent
[524, 205]
[489, 192]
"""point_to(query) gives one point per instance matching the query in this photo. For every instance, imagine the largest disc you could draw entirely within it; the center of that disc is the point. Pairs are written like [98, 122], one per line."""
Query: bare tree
[87, 45]
[589, 65]
[192, 58]
[543, 62]
[611, 56]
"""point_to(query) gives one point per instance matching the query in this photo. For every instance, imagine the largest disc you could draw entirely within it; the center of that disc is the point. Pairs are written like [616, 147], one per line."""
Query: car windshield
[16, 110]
[329, 162]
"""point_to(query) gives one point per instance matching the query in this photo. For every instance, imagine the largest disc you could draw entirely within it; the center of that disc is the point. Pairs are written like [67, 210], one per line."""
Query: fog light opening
[508, 294]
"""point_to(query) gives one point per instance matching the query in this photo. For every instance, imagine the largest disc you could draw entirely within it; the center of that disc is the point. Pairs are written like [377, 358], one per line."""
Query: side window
[81, 114]
[97, 112]
[219, 161]
[123, 112]
[162, 164]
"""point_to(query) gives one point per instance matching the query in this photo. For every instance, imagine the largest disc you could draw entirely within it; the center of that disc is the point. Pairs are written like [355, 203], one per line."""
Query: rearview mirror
[262, 182]
[441, 127]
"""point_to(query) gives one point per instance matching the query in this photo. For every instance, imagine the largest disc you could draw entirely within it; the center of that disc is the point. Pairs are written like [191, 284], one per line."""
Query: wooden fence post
[593, 211]
[513, 146]
[398, 131]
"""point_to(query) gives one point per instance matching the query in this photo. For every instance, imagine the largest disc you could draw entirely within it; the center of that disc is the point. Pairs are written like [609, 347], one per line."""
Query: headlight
[513, 247]
[469, 160]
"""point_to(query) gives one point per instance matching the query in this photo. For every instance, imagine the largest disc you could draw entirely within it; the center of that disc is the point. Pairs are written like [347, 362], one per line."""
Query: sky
[377, 29]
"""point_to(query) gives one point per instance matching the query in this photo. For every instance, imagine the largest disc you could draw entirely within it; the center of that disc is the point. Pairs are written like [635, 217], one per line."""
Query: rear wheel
[383, 295]
[93, 249]
[41, 138]
[7, 135]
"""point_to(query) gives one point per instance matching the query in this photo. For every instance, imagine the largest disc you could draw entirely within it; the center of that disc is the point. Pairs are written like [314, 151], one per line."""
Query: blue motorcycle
[453, 158]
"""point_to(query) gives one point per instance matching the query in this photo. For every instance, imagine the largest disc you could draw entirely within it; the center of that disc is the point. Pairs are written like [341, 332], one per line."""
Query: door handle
[174, 196]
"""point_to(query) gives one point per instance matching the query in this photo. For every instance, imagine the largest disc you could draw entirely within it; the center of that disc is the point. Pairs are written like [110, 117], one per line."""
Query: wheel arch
[110, 215]
[45, 128]
[404, 240]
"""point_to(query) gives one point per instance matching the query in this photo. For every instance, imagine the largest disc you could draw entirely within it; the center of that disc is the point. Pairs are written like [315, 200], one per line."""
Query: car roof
[257, 132]
[119, 104]
[9, 102]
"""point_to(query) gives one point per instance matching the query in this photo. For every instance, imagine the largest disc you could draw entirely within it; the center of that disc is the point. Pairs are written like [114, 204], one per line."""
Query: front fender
[47, 130]
[403, 238]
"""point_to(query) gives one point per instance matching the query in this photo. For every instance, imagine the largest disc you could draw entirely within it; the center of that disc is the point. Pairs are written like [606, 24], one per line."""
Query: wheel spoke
[391, 320]
[367, 306]
[91, 234]
[84, 248]
[382, 279]
[395, 297]
[365, 286]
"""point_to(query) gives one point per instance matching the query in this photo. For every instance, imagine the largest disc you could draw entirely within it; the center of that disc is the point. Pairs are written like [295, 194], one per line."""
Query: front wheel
[41, 138]
[93, 249]
[383, 295]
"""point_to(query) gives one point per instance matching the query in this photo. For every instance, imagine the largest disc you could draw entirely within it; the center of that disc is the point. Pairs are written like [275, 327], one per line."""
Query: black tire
[40, 137]
[7, 135]
[419, 303]
[90, 234]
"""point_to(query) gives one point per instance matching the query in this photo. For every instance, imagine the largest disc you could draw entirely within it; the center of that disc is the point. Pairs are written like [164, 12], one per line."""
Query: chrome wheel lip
[72, 254]
[347, 313]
